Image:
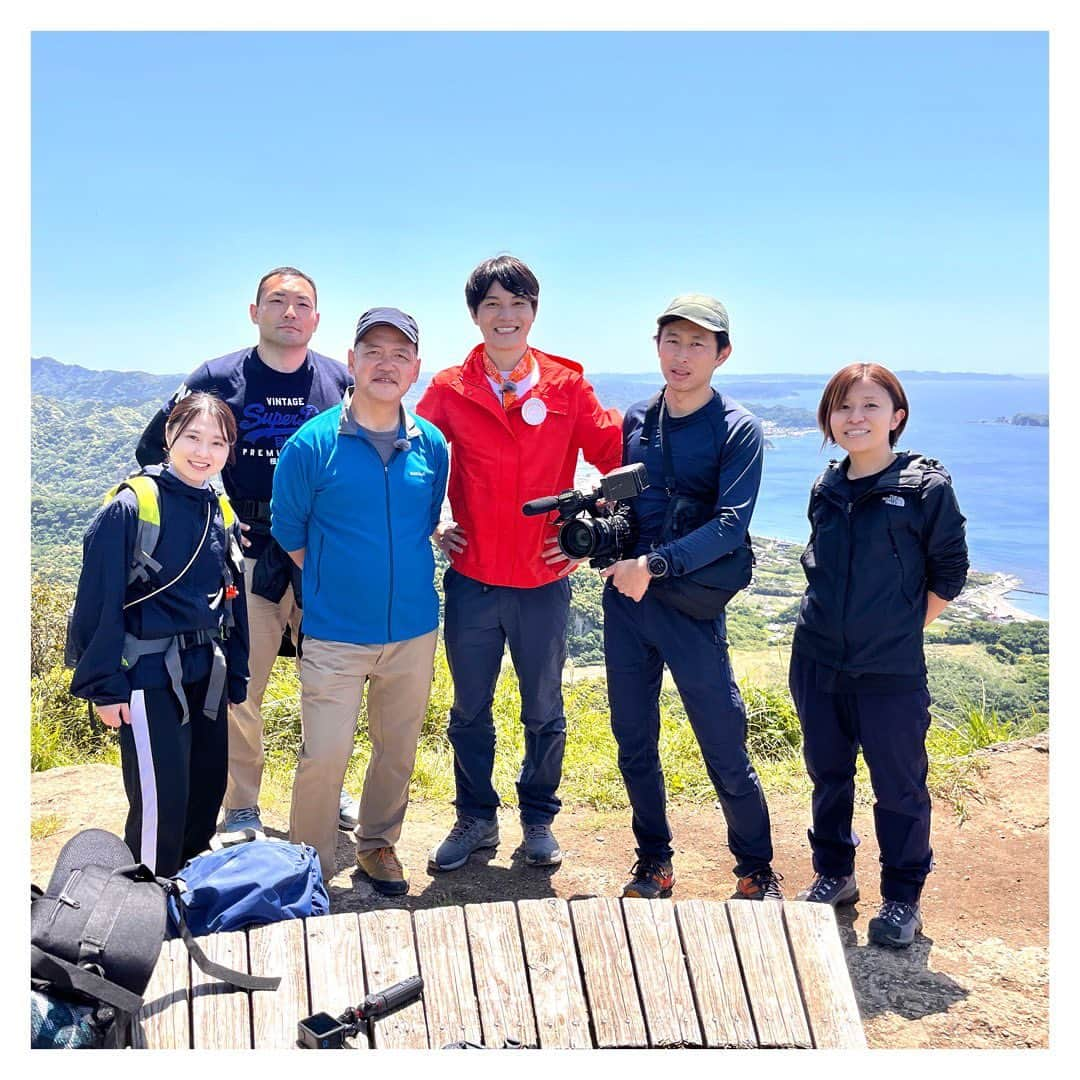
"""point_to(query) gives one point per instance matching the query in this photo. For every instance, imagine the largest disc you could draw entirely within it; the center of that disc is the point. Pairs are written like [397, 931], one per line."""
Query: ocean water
[1000, 472]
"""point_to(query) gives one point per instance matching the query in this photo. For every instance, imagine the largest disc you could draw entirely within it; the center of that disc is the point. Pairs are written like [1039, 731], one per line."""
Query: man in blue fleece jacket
[357, 494]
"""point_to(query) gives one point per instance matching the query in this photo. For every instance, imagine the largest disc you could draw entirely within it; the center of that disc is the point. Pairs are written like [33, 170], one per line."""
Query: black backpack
[97, 930]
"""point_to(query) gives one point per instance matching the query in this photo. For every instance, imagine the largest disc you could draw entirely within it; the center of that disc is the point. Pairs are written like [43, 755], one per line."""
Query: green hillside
[85, 425]
[78, 449]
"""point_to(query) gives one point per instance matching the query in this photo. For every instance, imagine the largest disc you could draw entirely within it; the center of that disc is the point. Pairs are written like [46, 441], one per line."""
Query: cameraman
[715, 453]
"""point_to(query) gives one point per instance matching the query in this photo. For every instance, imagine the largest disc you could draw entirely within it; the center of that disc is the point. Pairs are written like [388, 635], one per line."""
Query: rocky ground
[978, 977]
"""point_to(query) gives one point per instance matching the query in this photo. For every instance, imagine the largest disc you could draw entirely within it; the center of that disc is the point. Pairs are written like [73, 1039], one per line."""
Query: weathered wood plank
[666, 997]
[609, 973]
[336, 967]
[163, 1023]
[562, 1018]
[221, 1014]
[714, 972]
[823, 975]
[449, 999]
[502, 987]
[278, 949]
[389, 957]
[770, 980]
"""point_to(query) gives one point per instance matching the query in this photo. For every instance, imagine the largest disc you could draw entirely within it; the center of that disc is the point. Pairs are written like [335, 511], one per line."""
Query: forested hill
[85, 425]
[68, 382]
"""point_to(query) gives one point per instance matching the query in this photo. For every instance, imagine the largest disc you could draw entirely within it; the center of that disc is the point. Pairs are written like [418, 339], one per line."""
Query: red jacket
[498, 462]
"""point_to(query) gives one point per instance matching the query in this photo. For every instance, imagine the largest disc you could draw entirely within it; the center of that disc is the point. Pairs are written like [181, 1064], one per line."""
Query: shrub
[49, 604]
[61, 729]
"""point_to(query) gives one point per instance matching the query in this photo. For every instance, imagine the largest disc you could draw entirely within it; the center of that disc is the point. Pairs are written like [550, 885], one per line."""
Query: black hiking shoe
[652, 880]
[895, 925]
[831, 890]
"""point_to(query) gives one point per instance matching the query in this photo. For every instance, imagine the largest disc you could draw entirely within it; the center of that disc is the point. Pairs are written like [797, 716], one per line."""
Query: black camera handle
[323, 1036]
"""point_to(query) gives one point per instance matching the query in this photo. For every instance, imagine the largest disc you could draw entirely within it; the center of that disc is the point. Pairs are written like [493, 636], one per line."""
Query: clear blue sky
[860, 195]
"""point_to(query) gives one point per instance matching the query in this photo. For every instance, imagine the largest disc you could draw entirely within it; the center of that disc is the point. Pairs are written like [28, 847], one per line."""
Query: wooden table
[590, 973]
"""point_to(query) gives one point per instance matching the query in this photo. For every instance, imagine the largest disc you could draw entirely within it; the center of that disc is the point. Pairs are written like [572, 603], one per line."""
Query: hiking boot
[348, 812]
[760, 885]
[831, 890]
[541, 847]
[469, 834]
[652, 880]
[242, 817]
[382, 869]
[895, 925]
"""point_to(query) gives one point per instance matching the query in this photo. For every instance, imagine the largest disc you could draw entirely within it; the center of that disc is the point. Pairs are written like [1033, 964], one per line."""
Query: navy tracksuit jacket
[174, 773]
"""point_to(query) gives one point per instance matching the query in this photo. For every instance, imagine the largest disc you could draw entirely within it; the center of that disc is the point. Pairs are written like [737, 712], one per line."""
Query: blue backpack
[249, 884]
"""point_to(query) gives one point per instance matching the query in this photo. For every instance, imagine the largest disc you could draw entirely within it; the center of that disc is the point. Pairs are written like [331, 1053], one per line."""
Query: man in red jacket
[515, 419]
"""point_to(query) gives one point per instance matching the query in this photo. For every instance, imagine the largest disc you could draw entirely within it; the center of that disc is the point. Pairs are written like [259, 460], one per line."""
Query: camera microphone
[540, 506]
[402, 444]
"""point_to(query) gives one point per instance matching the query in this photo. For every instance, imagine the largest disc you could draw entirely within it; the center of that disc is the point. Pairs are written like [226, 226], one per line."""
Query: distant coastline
[1018, 420]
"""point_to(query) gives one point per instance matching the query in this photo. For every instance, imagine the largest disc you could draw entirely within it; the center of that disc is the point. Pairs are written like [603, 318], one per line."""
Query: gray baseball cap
[387, 316]
[698, 308]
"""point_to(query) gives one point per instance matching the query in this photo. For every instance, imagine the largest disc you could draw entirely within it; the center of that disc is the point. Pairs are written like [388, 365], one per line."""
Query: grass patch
[45, 825]
[973, 712]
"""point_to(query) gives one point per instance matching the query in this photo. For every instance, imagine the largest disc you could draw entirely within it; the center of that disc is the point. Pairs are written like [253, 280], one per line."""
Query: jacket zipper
[848, 506]
[389, 546]
[847, 589]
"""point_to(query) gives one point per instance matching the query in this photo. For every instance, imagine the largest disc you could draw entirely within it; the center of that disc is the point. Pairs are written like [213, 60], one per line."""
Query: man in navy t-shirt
[272, 389]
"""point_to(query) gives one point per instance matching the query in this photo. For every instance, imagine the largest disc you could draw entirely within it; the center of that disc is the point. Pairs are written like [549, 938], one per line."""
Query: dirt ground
[977, 978]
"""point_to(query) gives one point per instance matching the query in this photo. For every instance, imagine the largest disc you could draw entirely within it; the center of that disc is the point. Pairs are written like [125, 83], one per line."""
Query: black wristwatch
[657, 564]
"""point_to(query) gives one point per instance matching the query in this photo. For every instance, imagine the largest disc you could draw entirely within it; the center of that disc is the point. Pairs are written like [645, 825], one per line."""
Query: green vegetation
[979, 700]
[45, 825]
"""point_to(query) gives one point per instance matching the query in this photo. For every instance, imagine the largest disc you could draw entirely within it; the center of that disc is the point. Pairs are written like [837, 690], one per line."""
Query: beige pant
[266, 624]
[332, 677]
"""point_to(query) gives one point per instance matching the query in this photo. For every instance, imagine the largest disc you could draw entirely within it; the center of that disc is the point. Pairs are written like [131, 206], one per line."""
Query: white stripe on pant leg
[148, 832]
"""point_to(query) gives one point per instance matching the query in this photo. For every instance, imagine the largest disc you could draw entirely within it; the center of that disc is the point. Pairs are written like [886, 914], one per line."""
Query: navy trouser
[638, 639]
[891, 729]
[480, 619]
[174, 775]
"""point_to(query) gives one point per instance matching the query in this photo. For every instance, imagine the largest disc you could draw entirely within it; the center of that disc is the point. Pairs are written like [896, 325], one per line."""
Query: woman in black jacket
[887, 553]
[160, 629]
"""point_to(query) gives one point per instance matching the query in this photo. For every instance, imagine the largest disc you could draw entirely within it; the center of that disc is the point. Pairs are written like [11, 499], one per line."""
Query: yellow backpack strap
[149, 524]
[228, 514]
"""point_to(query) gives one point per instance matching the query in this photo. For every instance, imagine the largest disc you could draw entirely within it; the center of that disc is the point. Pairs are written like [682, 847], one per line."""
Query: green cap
[698, 308]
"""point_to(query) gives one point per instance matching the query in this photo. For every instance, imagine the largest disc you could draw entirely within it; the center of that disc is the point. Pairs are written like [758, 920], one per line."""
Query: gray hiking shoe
[831, 890]
[240, 818]
[541, 847]
[348, 812]
[469, 834]
[895, 925]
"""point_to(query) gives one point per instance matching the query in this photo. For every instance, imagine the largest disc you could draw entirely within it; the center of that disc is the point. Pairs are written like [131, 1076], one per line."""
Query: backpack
[247, 884]
[147, 533]
[95, 937]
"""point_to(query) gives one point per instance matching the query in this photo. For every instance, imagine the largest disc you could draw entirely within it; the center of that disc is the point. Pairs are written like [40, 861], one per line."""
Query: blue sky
[859, 195]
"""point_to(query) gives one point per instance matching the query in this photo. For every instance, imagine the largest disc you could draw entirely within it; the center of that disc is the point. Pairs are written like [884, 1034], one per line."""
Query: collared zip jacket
[871, 561]
[369, 570]
[499, 461]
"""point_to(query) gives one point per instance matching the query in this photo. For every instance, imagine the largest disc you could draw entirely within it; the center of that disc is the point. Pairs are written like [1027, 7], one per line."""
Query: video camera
[588, 532]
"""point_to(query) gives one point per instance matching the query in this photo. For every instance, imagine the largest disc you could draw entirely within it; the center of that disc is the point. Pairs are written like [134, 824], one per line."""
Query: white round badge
[533, 411]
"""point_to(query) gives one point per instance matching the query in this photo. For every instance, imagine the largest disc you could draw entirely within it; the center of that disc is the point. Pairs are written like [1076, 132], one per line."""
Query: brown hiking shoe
[760, 885]
[382, 869]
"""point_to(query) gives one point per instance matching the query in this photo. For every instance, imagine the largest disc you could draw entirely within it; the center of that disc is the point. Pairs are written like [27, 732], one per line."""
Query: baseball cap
[698, 308]
[387, 316]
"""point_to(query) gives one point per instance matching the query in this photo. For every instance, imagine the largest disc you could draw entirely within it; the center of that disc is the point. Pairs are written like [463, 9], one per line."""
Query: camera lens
[577, 538]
